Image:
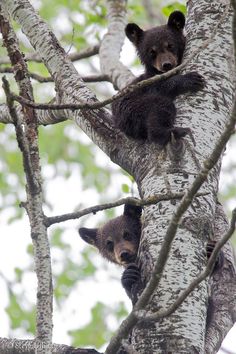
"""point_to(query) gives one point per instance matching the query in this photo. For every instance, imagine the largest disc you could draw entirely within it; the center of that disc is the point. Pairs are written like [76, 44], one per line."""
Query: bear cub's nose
[167, 66]
[126, 256]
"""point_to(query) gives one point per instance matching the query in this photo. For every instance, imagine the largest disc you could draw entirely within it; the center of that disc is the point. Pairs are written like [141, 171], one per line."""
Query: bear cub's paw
[194, 82]
[130, 276]
[180, 132]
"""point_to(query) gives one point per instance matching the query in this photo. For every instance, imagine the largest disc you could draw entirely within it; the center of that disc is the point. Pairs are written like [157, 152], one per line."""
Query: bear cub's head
[160, 48]
[117, 240]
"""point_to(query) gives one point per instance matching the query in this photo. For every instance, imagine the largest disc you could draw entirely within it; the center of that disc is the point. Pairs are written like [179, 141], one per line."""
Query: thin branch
[155, 17]
[28, 141]
[23, 346]
[208, 270]
[86, 53]
[69, 86]
[129, 200]
[132, 87]
[112, 43]
[44, 117]
[42, 79]
[20, 135]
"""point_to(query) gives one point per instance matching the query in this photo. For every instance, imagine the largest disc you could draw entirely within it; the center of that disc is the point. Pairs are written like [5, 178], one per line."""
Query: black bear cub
[150, 113]
[118, 241]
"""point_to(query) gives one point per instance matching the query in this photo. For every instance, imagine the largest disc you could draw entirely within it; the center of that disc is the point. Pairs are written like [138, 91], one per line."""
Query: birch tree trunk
[206, 114]
[160, 171]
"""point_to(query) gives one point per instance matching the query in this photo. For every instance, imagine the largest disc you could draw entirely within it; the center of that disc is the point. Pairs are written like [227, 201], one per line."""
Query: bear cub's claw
[130, 276]
[181, 132]
[194, 81]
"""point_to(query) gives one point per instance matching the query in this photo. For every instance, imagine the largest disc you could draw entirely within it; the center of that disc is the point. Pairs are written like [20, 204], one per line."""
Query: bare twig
[155, 17]
[86, 53]
[129, 200]
[42, 79]
[28, 141]
[13, 346]
[22, 142]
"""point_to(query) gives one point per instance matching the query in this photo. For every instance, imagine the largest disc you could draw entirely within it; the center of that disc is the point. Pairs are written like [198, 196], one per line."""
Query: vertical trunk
[206, 113]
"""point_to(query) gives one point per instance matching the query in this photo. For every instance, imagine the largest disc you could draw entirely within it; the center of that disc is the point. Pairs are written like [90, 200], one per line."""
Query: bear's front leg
[131, 281]
[180, 84]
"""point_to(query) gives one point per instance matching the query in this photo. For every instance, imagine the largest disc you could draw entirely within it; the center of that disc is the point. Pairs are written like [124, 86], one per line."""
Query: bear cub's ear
[176, 20]
[88, 235]
[134, 33]
[133, 211]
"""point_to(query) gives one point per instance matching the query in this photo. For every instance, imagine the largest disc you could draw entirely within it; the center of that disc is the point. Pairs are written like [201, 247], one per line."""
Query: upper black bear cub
[150, 113]
[118, 241]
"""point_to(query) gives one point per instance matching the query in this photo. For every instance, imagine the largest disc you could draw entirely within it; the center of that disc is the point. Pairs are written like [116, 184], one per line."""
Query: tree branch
[44, 117]
[96, 124]
[43, 79]
[86, 53]
[129, 200]
[27, 137]
[112, 44]
[22, 346]
[155, 17]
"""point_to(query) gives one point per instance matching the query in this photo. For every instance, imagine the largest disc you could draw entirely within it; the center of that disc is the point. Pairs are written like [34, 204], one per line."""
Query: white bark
[44, 117]
[222, 290]
[27, 139]
[112, 44]
[206, 113]
[70, 88]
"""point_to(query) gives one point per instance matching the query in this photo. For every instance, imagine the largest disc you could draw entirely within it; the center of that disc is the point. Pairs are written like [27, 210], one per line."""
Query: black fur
[150, 113]
[118, 241]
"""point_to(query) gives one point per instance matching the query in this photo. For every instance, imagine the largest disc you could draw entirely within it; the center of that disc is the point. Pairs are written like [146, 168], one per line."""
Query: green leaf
[98, 324]
[19, 317]
[18, 273]
[125, 188]
[167, 10]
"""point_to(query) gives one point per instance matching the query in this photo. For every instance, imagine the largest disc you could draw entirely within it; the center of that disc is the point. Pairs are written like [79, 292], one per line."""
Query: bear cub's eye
[153, 53]
[110, 245]
[169, 46]
[127, 236]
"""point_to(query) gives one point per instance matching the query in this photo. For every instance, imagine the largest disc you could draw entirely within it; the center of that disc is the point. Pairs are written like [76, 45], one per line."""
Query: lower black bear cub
[150, 113]
[118, 241]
